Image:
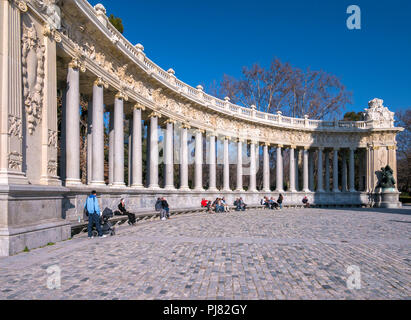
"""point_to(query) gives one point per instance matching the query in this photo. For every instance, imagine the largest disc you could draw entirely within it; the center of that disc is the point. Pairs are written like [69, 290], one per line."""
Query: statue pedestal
[388, 198]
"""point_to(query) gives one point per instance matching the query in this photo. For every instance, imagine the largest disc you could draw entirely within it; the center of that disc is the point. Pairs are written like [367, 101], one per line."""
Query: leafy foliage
[117, 23]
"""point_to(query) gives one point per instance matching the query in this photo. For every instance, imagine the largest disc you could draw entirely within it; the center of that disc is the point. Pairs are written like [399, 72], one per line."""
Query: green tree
[353, 116]
[117, 23]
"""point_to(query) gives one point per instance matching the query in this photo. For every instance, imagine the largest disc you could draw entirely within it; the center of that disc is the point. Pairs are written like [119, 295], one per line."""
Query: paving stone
[294, 254]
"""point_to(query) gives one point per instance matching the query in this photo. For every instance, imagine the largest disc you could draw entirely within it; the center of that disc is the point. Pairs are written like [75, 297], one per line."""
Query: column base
[9, 177]
[97, 184]
[184, 188]
[255, 190]
[293, 190]
[213, 189]
[267, 190]
[118, 185]
[239, 190]
[73, 182]
[170, 188]
[137, 186]
[321, 190]
[353, 190]
[154, 187]
[199, 189]
[336, 191]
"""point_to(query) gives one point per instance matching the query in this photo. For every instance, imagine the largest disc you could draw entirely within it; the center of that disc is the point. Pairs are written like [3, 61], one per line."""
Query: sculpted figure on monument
[386, 180]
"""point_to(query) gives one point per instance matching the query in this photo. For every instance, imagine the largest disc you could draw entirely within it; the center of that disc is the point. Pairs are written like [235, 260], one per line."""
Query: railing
[210, 101]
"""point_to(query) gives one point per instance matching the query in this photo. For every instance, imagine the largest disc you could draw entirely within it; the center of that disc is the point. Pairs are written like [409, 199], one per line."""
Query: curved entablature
[120, 75]
[86, 35]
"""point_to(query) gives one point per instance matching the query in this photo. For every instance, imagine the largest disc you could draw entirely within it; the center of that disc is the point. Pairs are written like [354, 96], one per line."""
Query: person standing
[280, 201]
[94, 214]
[165, 207]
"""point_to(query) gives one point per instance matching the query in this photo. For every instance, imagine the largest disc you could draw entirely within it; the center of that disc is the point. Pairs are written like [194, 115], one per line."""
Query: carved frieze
[15, 128]
[52, 167]
[33, 75]
[15, 160]
[52, 139]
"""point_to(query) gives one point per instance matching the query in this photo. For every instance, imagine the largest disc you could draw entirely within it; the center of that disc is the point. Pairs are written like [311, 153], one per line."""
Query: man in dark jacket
[165, 207]
[131, 216]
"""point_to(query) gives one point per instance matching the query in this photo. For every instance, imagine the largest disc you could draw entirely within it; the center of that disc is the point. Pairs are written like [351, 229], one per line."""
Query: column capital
[293, 147]
[320, 148]
[280, 146]
[306, 148]
[266, 144]
[252, 142]
[336, 148]
[154, 114]
[170, 121]
[199, 131]
[185, 125]
[121, 95]
[99, 82]
[391, 147]
[75, 63]
[239, 140]
[139, 106]
[227, 138]
[211, 134]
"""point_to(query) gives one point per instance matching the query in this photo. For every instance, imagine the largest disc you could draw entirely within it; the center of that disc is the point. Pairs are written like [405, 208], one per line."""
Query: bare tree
[404, 151]
[283, 88]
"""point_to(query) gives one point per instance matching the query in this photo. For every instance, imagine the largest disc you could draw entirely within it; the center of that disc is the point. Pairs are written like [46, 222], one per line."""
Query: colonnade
[116, 153]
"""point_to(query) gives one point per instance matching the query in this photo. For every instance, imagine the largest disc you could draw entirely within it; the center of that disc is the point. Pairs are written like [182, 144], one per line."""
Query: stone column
[352, 170]
[90, 142]
[111, 148]
[240, 165]
[169, 155]
[212, 162]
[253, 168]
[280, 177]
[327, 171]
[344, 172]
[137, 153]
[320, 182]
[154, 155]
[184, 158]
[12, 107]
[311, 170]
[266, 169]
[73, 125]
[335, 171]
[226, 183]
[98, 134]
[305, 170]
[49, 126]
[118, 177]
[292, 169]
[297, 161]
[199, 161]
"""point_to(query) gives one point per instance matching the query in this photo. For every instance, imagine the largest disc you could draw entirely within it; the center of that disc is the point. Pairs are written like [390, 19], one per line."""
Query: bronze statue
[387, 180]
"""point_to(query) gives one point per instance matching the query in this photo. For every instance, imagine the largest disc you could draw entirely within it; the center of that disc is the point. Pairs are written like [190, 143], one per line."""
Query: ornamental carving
[15, 160]
[52, 167]
[33, 76]
[51, 10]
[381, 116]
[52, 139]
[15, 128]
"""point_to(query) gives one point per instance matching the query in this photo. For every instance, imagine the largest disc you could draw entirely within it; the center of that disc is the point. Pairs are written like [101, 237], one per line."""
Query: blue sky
[202, 40]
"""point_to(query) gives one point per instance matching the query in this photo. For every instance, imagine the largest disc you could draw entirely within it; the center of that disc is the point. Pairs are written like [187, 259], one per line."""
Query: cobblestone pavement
[289, 254]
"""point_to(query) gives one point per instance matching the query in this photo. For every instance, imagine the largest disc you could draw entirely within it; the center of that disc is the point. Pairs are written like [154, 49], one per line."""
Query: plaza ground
[289, 254]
